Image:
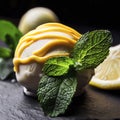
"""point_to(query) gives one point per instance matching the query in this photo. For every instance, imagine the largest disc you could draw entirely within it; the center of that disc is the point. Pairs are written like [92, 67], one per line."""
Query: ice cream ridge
[37, 46]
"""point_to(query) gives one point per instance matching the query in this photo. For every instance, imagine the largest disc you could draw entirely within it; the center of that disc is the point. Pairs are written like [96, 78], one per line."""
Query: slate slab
[93, 104]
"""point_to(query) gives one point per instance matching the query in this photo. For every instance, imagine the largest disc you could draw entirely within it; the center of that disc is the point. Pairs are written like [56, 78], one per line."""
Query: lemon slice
[107, 74]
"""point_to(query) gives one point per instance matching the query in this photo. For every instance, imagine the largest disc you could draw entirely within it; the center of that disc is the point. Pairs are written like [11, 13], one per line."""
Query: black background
[83, 15]
[104, 13]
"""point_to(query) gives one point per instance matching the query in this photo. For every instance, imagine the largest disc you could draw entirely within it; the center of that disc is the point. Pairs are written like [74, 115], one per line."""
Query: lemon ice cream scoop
[37, 46]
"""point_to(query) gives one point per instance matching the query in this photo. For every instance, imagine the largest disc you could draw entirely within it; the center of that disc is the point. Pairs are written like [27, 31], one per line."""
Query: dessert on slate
[55, 62]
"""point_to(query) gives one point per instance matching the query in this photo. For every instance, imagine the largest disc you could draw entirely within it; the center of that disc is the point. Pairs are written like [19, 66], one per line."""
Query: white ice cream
[34, 48]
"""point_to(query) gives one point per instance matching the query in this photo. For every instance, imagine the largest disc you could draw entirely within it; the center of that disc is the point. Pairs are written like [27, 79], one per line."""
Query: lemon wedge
[107, 74]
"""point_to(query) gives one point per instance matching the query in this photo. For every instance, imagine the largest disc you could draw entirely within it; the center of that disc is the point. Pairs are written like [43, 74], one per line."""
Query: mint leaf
[57, 66]
[9, 34]
[55, 93]
[91, 49]
[5, 52]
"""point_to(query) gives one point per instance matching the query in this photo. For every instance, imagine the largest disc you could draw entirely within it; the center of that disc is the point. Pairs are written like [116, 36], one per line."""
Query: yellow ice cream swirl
[44, 32]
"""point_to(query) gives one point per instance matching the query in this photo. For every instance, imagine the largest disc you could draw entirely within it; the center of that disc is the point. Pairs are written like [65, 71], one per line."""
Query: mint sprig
[58, 83]
[9, 37]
